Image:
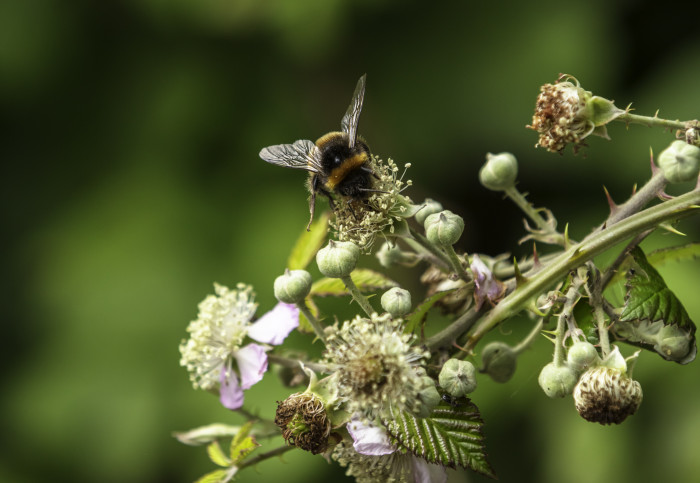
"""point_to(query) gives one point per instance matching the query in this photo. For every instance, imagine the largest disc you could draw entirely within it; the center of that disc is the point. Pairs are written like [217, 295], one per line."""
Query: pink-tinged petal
[275, 325]
[230, 392]
[487, 286]
[252, 364]
[369, 439]
[424, 472]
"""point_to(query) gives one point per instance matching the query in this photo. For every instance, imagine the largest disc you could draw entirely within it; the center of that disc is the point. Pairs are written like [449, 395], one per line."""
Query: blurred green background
[131, 182]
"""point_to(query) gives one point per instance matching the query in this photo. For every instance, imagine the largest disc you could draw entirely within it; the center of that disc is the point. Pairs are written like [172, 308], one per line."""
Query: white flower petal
[230, 392]
[252, 364]
[424, 472]
[368, 439]
[275, 325]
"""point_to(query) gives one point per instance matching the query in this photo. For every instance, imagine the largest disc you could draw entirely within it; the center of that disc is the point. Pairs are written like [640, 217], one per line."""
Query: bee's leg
[313, 187]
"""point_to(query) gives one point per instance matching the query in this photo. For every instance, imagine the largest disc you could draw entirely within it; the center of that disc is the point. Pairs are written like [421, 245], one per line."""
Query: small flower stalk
[565, 114]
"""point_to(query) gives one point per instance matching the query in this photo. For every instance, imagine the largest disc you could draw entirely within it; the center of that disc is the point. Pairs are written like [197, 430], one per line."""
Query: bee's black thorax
[343, 171]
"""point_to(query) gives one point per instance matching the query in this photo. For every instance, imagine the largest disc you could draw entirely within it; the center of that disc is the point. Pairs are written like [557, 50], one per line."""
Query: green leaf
[418, 315]
[653, 318]
[365, 279]
[216, 476]
[648, 297]
[308, 243]
[206, 434]
[241, 449]
[657, 258]
[217, 455]
[451, 436]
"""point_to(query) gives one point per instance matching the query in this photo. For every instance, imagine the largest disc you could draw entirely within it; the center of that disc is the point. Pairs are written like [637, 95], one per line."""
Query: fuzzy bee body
[338, 162]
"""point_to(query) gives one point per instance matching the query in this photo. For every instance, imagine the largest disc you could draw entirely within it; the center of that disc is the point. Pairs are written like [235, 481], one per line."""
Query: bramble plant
[388, 399]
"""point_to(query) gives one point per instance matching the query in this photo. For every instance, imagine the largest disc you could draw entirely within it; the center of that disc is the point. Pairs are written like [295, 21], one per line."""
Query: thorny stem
[312, 320]
[639, 200]
[361, 300]
[566, 318]
[460, 325]
[594, 244]
[520, 200]
[650, 121]
[456, 263]
[264, 456]
[612, 269]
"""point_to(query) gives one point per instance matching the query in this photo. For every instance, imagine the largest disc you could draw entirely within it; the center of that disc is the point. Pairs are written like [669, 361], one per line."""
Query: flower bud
[673, 343]
[499, 361]
[337, 259]
[499, 172]
[444, 228]
[428, 396]
[607, 396]
[293, 286]
[680, 162]
[389, 255]
[557, 381]
[397, 301]
[429, 207]
[458, 377]
[581, 356]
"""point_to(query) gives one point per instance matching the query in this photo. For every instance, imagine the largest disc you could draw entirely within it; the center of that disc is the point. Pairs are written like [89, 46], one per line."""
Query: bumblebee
[338, 163]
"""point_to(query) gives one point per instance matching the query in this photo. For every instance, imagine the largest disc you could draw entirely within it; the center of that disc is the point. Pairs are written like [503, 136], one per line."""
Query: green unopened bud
[458, 377]
[337, 259]
[499, 361]
[673, 343]
[557, 381]
[429, 207]
[499, 172]
[582, 355]
[429, 397]
[396, 301]
[293, 286]
[680, 162]
[390, 255]
[444, 228]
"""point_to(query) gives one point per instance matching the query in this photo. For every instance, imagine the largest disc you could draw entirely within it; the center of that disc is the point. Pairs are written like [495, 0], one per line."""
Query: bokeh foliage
[130, 132]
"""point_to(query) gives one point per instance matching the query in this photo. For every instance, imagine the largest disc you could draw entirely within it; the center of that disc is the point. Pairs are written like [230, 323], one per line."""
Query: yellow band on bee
[338, 174]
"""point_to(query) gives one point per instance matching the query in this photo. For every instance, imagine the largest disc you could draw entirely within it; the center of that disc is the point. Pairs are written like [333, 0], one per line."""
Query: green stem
[315, 324]
[456, 263]
[525, 343]
[264, 456]
[296, 364]
[639, 200]
[520, 200]
[594, 244]
[459, 326]
[595, 287]
[432, 249]
[650, 121]
[361, 300]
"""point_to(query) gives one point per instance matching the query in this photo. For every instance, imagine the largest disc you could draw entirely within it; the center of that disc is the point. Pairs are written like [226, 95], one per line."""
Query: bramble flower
[360, 221]
[373, 459]
[605, 394]
[216, 337]
[565, 113]
[376, 364]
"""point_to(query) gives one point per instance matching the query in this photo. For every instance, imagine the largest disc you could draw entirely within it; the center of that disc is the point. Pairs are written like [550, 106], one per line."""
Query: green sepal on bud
[337, 259]
[557, 380]
[499, 172]
[396, 301]
[429, 207]
[457, 377]
[499, 360]
[444, 228]
[293, 286]
[680, 162]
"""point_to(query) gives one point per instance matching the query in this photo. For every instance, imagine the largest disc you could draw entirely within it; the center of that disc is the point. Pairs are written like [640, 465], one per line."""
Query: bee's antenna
[375, 191]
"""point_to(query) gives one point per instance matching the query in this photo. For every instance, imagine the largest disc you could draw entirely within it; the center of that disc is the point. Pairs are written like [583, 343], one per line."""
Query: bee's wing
[303, 154]
[352, 115]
